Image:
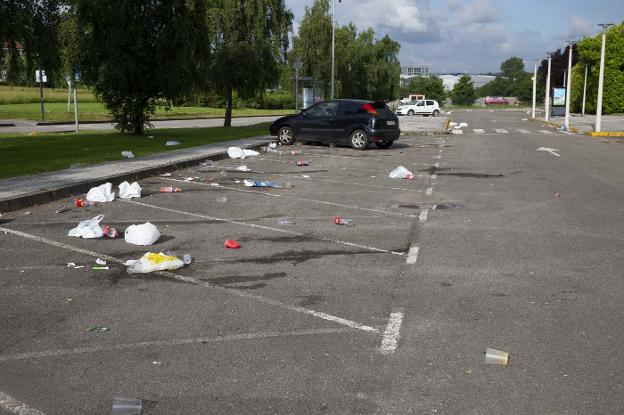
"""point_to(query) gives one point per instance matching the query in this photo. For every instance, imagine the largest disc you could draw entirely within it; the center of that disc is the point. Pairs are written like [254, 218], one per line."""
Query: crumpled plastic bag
[128, 191]
[127, 154]
[239, 153]
[88, 229]
[151, 262]
[401, 173]
[260, 183]
[144, 234]
[102, 193]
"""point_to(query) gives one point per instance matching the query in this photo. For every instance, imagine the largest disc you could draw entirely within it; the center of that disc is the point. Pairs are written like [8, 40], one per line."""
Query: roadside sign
[38, 77]
[559, 97]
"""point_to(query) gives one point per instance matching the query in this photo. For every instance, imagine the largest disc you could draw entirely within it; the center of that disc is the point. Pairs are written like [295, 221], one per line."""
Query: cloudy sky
[474, 35]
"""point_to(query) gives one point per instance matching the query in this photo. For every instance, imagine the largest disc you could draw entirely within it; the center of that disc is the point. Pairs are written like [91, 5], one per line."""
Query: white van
[425, 107]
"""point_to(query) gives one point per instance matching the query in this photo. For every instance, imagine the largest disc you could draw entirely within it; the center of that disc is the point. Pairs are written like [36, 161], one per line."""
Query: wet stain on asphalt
[243, 279]
[442, 206]
[310, 300]
[288, 239]
[473, 175]
[296, 257]
[446, 284]
[406, 206]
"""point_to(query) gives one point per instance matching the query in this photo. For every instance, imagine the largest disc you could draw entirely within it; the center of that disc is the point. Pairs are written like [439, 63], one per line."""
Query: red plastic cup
[232, 244]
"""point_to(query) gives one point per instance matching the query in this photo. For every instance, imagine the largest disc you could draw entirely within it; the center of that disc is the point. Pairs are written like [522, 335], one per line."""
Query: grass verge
[21, 154]
[95, 111]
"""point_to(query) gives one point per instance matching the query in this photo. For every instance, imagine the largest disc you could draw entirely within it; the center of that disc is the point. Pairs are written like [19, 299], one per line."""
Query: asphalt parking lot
[262, 329]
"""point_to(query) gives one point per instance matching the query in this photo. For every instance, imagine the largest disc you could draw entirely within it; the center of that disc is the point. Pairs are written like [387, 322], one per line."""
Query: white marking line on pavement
[167, 343]
[358, 184]
[523, 131]
[501, 131]
[301, 199]
[429, 191]
[436, 164]
[193, 281]
[545, 131]
[268, 228]
[12, 405]
[552, 151]
[479, 130]
[392, 333]
[423, 215]
[438, 157]
[412, 255]
[458, 131]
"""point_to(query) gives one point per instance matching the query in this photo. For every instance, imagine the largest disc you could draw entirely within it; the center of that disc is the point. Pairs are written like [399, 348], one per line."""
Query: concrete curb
[605, 134]
[554, 124]
[215, 117]
[51, 194]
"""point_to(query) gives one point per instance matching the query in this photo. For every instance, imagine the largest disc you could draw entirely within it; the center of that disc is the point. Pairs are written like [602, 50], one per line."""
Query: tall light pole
[297, 66]
[333, 71]
[585, 88]
[534, 87]
[604, 26]
[566, 123]
[547, 100]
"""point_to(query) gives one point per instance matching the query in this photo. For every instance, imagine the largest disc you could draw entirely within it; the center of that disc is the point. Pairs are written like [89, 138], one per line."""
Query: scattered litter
[231, 244]
[156, 363]
[207, 163]
[98, 329]
[151, 262]
[343, 221]
[150, 136]
[102, 193]
[242, 168]
[144, 234]
[28, 212]
[172, 143]
[128, 191]
[237, 181]
[187, 259]
[215, 184]
[557, 194]
[169, 189]
[303, 163]
[223, 173]
[239, 153]
[100, 261]
[272, 145]
[222, 199]
[189, 179]
[549, 150]
[401, 173]
[61, 209]
[100, 267]
[74, 266]
[525, 119]
[110, 231]
[296, 152]
[126, 406]
[128, 154]
[82, 203]
[496, 357]
[88, 229]
[260, 183]
[285, 221]
[165, 175]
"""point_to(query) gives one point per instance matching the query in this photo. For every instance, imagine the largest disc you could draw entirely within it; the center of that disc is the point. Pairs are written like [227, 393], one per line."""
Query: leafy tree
[512, 68]
[384, 71]
[430, 86]
[500, 86]
[463, 92]
[139, 55]
[249, 39]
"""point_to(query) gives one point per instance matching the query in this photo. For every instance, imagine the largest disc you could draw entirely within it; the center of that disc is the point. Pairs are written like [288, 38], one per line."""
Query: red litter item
[169, 189]
[110, 231]
[295, 152]
[232, 244]
[80, 203]
[303, 163]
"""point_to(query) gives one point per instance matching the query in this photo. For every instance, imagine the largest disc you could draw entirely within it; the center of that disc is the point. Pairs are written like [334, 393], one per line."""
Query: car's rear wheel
[410, 113]
[286, 136]
[359, 140]
[384, 143]
[436, 113]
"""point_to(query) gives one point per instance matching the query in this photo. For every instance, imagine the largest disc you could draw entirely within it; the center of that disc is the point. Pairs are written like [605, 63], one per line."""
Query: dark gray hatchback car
[342, 121]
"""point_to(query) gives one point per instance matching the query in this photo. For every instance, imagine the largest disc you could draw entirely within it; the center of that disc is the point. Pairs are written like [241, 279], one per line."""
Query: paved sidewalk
[19, 192]
[586, 123]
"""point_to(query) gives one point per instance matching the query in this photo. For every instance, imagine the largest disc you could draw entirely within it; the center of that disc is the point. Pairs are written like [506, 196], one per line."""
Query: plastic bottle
[342, 221]
[83, 203]
[110, 231]
[187, 259]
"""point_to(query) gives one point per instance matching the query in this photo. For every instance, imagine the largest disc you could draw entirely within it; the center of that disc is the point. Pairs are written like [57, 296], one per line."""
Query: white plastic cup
[496, 357]
[126, 406]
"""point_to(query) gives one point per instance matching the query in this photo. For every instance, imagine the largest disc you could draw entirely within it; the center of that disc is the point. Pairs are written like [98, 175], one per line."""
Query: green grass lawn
[21, 154]
[94, 111]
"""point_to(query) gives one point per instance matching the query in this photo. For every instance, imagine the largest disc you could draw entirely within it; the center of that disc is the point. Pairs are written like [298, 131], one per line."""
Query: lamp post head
[605, 26]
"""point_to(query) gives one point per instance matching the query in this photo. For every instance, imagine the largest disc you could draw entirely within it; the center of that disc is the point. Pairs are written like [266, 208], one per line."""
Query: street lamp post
[297, 66]
[604, 26]
[547, 100]
[534, 88]
[566, 123]
[584, 88]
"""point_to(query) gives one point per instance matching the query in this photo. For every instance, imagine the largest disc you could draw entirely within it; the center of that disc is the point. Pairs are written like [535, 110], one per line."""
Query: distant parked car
[425, 107]
[496, 101]
[354, 122]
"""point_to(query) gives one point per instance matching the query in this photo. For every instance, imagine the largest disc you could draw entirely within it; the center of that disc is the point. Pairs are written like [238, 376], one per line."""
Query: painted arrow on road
[550, 150]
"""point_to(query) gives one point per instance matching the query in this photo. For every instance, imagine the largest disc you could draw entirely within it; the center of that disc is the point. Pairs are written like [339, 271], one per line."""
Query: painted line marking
[385, 172]
[193, 281]
[501, 131]
[423, 215]
[545, 131]
[412, 255]
[391, 335]
[166, 343]
[429, 191]
[438, 157]
[9, 403]
[301, 199]
[479, 130]
[458, 131]
[269, 228]
[436, 164]
[523, 131]
[552, 151]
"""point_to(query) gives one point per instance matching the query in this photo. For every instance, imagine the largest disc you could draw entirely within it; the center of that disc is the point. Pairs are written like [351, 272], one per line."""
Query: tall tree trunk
[227, 122]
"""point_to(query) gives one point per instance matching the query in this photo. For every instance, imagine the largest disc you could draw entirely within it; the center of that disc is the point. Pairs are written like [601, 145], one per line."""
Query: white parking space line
[401, 189]
[193, 281]
[438, 157]
[302, 199]
[423, 215]
[391, 335]
[479, 130]
[429, 191]
[501, 131]
[458, 131]
[436, 164]
[545, 131]
[173, 342]
[12, 405]
[412, 255]
[523, 131]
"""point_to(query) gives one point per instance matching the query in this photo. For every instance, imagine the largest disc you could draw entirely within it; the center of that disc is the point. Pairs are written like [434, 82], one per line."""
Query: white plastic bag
[144, 234]
[102, 193]
[400, 173]
[127, 154]
[243, 168]
[88, 229]
[151, 262]
[128, 191]
[172, 143]
[239, 153]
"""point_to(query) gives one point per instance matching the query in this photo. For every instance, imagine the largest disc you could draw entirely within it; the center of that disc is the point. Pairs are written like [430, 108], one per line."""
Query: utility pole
[297, 66]
[566, 123]
[534, 88]
[547, 100]
[604, 26]
[41, 88]
[585, 88]
[333, 48]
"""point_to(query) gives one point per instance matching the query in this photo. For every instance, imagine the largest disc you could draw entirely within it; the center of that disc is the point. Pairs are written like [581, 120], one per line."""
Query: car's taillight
[369, 108]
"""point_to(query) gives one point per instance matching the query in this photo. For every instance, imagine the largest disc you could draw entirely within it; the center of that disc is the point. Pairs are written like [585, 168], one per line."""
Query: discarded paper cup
[232, 244]
[80, 203]
[496, 357]
[126, 406]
